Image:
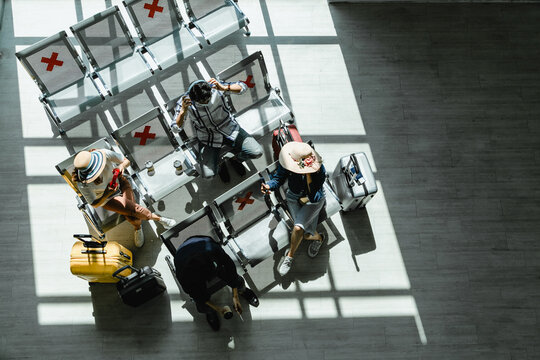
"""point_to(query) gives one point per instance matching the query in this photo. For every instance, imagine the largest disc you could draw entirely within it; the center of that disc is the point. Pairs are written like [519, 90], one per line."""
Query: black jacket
[200, 259]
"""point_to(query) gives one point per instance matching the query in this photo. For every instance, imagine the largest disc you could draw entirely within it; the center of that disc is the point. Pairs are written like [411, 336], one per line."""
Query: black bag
[140, 286]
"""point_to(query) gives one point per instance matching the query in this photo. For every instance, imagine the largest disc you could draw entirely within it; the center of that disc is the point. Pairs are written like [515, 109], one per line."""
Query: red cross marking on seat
[146, 134]
[248, 81]
[53, 60]
[245, 200]
[153, 8]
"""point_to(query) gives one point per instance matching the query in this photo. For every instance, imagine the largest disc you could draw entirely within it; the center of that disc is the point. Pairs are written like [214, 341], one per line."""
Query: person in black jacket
[200, 259]
[302, 166]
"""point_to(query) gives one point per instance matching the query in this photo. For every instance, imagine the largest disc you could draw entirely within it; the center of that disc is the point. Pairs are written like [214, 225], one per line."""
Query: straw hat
[90, 164]
[300, 158]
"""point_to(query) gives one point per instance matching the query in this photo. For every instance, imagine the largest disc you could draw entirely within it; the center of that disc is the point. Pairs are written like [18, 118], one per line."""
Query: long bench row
[112, 60]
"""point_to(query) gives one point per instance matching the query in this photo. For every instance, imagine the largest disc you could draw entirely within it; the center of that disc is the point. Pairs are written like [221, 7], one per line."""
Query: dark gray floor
[450, 100]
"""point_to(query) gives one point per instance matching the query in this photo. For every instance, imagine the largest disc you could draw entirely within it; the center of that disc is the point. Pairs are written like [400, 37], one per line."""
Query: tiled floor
[443, 264]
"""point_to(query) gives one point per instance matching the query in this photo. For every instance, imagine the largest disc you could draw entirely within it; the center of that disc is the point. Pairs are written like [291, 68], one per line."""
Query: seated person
[215, 126]
[302, 166]
[93, 177]
[200, 259]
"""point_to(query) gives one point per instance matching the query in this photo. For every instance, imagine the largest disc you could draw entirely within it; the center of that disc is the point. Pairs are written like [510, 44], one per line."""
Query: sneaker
[314, 247]
[250, 296]
[138, 239]
[238, 167]
[285, 265]
[223, 173]
[213, 320]
[166, 222]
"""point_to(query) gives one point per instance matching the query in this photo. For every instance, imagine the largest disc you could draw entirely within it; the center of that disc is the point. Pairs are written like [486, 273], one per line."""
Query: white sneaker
[285, 265]
[138, 239]
[167, 223]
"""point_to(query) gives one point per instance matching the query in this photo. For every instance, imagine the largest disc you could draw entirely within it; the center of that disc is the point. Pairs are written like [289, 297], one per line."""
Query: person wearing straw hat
[216, 127]
[93, 175]
[302, 166]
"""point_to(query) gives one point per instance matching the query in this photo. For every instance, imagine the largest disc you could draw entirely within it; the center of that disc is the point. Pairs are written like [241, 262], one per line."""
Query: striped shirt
[213, 122]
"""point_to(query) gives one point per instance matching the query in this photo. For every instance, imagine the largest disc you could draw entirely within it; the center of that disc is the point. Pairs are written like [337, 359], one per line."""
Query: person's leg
[212, 316]
[315, 236]
[126, 189]
[130, 209]
[117, 205]
[209, 157]
[296, 238]
[127, 193]
[246, 292]
[311, 212]
[245, 147]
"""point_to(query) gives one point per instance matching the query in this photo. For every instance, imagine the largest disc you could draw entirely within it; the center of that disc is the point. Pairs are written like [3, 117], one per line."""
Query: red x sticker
[152, 8]
[248, 82]
[52, 61]
[146, 134]
[245, 200]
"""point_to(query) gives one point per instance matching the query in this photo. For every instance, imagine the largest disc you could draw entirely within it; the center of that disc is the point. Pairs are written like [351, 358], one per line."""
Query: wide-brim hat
[90, 164]
[300, 158]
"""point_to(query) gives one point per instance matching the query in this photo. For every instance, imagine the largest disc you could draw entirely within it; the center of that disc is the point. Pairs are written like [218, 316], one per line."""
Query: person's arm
[123, 165]
[227, 272]
[220, 309]
[237, 87]
[181, 116]
[236, 301]
[277, 179]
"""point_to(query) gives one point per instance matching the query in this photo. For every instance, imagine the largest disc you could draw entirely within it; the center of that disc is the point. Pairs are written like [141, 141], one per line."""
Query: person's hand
[75, 176]
[217, 84]
[237, 305]
[121, 168]
[265, 189]
[186, 102]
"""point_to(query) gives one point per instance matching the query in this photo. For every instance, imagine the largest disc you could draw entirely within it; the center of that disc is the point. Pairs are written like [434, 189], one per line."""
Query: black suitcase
[140, 286]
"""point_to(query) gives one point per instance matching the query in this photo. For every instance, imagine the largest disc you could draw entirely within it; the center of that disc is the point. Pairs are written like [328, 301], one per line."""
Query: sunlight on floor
[320, 90]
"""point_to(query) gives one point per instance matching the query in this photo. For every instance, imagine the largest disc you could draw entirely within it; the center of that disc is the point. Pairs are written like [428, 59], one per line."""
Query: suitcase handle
[115, 274]
[93, 251]
[354, 175]
[90, 244]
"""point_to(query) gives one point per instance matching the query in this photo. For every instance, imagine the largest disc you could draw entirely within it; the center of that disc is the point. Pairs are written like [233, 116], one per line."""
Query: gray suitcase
[353, 181]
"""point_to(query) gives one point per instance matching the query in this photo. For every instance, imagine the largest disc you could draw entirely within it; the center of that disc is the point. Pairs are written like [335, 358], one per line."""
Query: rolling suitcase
[96, 261]
[353, 181]
[283, 135]
[140, 286]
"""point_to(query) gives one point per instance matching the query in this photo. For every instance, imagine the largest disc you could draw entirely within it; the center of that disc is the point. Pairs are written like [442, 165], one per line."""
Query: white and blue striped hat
[89, 165]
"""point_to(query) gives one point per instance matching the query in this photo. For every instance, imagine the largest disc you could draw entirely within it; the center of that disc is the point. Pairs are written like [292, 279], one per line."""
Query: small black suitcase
[140, 286]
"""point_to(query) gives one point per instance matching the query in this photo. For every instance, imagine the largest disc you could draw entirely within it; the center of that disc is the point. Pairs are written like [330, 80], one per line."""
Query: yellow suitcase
[96, 260]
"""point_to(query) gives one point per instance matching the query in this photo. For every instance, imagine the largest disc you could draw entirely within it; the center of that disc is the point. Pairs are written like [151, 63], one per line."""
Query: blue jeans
[244, 147]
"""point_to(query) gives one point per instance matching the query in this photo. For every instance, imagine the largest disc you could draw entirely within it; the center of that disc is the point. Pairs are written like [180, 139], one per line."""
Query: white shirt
[212, 122]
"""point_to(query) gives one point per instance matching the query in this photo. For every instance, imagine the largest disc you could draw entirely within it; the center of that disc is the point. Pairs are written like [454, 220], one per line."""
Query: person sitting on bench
[302, 166]
[216, 127]
[197, 261]
[93, 176]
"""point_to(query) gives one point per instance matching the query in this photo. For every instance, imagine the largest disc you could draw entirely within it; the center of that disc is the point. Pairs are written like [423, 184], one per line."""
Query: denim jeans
[244, 147]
